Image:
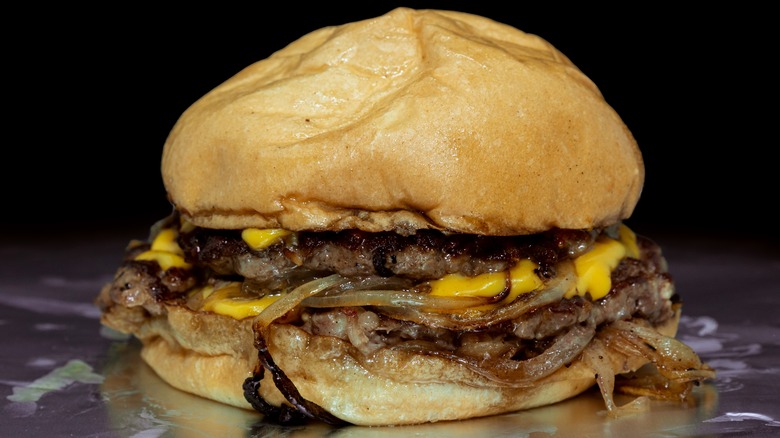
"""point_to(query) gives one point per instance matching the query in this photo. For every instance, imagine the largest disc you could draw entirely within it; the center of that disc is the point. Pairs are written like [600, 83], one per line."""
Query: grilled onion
[392, 298]
[553, 291]
[291, 300]
[674, 360]
[676, 366]
[503, 370]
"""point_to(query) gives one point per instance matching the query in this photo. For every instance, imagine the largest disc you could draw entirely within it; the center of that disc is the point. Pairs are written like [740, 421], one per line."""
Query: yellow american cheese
[229, 300]
[628, 239]
[165, 251]
[258, 239]
[239, 308]
[166, 241]
[593, 270]
[522, 277]
[166, 260]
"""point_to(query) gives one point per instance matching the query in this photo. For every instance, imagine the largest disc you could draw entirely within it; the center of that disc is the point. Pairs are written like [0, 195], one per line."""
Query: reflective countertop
[61, 374]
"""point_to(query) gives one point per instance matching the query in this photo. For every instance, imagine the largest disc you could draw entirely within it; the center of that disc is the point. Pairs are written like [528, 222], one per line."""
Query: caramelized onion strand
[552, 292]
[260, 326]
[674, 360]
[287, 387]
[392, 298]
[512, 372]
[289, 301]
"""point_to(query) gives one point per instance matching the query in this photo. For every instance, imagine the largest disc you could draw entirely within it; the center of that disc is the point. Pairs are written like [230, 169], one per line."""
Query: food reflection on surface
[140, 403]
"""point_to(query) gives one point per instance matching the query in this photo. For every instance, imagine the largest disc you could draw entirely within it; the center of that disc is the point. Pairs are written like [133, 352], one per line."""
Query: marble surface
[61, 374]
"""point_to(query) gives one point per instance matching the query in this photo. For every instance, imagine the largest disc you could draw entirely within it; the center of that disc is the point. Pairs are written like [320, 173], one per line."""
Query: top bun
[414, 119]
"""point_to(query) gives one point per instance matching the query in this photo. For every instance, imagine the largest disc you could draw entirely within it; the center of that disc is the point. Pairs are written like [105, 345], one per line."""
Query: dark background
[90, 96]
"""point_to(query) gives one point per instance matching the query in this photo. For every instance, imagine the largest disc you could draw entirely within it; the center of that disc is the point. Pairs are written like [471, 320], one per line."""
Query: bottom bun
[211, 356]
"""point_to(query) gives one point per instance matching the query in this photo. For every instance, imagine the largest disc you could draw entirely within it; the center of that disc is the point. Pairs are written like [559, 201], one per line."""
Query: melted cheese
[166, 241]
[522, 277]
[165, 251]
[628, 239]
[593, 269]
[229, 300]
[258, 239]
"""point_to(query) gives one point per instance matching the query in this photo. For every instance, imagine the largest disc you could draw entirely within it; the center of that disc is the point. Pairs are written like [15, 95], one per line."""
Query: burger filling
[514, 309]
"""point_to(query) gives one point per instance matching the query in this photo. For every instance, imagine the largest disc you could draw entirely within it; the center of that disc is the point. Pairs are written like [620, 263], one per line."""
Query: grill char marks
[639, 291]
[426, 255]
[144, 284]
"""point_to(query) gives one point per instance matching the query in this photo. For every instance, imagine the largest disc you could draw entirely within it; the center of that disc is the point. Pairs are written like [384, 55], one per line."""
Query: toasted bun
[414, 119]
[211, 356]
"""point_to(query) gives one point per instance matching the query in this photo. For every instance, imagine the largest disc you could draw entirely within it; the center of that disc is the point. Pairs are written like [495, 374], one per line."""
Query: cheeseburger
[412, 218]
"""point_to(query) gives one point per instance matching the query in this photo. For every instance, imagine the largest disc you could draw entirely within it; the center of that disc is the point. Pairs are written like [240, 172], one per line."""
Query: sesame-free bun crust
[414, 119]
[211, 356]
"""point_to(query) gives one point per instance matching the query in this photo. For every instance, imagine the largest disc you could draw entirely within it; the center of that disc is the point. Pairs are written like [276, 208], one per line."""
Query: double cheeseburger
[406, 219]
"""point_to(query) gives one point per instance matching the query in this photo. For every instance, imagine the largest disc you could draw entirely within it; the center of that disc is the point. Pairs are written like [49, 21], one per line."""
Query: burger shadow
[139, 403]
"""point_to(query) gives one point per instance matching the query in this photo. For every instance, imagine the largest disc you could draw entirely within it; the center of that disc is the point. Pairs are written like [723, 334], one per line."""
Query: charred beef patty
[425, 255]
[142, 286]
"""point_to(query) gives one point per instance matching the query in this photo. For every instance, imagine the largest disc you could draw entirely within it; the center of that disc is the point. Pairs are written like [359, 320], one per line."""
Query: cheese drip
[229, 300]
[165, 251]
[594, 268]
[522, 280]
[259, 239]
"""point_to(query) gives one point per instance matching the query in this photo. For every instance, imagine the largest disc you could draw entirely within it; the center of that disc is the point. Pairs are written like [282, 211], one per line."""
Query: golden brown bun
[211, 355]
[414, 119]
[201, 353]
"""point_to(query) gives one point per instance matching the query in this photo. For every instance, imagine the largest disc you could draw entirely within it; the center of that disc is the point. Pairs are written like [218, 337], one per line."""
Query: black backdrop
[91, 95]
